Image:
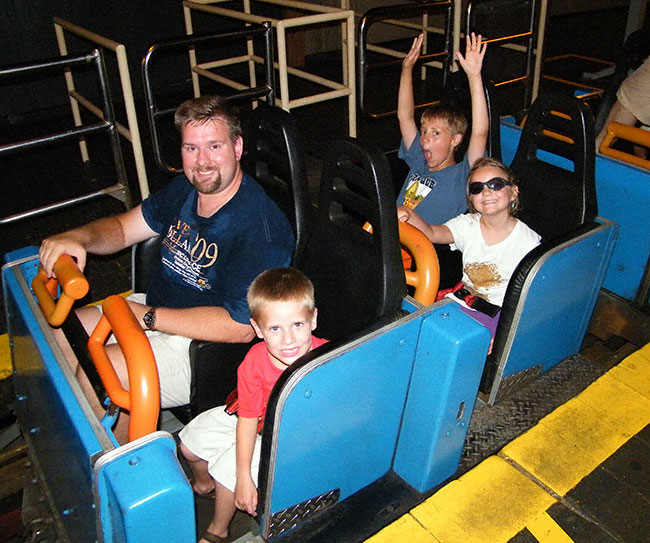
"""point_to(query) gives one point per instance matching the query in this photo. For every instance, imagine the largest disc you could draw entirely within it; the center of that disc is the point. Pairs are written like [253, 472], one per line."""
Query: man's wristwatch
[149, 319]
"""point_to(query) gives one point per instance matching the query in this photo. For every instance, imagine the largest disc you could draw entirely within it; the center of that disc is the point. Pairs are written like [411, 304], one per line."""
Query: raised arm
[405, 100]
[103, 236]
[437, 233]
[472, 64]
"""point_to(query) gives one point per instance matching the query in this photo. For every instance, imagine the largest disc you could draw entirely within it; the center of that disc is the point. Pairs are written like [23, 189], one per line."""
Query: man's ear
[257, 329]
[239, 148]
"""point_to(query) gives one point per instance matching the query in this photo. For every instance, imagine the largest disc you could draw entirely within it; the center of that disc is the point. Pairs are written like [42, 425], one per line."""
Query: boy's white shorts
[211, 436]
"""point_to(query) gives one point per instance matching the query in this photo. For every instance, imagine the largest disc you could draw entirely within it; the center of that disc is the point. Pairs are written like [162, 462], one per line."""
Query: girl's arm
[437, 233]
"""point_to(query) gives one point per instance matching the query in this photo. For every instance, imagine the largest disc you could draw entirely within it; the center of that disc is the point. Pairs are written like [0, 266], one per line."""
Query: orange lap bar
[426, 276]
[630, 133]
[74, 286]
[142, 399]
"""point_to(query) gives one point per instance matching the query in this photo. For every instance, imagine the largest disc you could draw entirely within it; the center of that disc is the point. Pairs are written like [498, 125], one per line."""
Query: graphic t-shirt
[211, 261]
[487, 269]
[438, 196]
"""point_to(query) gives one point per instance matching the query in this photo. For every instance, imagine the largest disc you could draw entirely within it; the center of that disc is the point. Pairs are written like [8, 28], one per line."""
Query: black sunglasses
[496, 183]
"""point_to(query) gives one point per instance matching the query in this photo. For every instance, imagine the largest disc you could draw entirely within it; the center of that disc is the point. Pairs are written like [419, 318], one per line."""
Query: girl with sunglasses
[491, 239]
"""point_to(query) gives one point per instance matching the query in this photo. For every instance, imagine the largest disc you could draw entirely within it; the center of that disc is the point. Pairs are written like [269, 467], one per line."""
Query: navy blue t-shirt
[212, 261]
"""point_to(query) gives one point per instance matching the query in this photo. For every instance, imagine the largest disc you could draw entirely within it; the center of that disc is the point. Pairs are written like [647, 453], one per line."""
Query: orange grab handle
[630, 133]
[74, 286]
[143, 397]
[416, 246]
[426, 276]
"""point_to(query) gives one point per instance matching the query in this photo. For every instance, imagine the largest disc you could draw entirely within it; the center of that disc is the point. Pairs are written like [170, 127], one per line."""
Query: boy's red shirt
[255, 379]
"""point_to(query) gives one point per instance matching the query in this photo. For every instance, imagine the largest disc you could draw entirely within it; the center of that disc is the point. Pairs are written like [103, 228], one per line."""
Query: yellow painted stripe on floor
[634, 371]
[491, 502]
[571, 442]
[494, 501]
[5, 357]
[405, 529]
[5, 352]
[546, 530]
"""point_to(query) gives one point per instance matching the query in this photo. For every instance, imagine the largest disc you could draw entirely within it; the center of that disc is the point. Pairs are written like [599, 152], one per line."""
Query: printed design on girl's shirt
[482, 274]
[417, 189]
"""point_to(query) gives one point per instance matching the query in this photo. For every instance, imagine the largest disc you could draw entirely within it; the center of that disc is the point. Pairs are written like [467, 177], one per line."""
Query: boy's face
[438, 143]
[286, 329]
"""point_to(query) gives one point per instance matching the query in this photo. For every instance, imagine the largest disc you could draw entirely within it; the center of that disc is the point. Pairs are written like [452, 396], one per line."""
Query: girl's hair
[489, 162]
[205, 108]
[453, 115]
[280, 285]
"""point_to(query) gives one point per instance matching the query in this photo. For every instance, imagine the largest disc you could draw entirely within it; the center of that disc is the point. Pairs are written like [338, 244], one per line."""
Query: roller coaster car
[357, 431]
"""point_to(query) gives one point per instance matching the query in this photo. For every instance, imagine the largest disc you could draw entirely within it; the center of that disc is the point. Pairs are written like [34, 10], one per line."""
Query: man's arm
[472, 63]
[405, 101]
[245, 490]
[103, 236]
[206, 323]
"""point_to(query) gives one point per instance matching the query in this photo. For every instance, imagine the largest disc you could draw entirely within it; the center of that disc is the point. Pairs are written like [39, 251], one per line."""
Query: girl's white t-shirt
[487, 269]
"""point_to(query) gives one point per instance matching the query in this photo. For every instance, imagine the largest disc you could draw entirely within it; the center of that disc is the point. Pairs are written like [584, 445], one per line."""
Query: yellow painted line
[513, 490]
[486, 511]
[5, 357]
[546, 530]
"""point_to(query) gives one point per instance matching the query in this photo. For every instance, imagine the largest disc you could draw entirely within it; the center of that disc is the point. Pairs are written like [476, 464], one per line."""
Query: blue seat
[553, 291]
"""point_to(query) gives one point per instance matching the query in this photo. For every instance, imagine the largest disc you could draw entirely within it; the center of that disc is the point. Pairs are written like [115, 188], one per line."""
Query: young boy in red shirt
[222, 450]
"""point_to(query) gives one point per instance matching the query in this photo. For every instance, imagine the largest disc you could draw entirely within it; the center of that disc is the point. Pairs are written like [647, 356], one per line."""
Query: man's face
[210, 157]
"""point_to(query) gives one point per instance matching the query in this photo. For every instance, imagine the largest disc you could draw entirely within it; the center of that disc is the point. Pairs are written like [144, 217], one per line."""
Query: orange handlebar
[630, 133]
[426, 277]
[74, 286]
[143, 397]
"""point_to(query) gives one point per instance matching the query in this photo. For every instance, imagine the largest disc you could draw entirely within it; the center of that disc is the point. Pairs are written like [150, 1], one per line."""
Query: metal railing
[392, 15]
[316, 15]
[131, 132]
[106, 124]
[266, 90]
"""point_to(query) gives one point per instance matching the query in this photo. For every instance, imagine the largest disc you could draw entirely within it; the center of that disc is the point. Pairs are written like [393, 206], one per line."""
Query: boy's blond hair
[280, 285]
[453, 115]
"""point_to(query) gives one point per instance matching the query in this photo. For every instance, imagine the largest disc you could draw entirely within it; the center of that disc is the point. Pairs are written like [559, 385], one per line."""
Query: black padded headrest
[358, 276]
[273, 155]
[556, 200]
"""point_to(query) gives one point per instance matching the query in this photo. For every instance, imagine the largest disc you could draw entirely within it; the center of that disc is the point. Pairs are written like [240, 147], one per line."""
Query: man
[219, 229]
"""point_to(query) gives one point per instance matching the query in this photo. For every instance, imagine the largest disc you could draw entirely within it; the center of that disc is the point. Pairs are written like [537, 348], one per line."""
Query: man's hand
[246, 495]
[55, 246]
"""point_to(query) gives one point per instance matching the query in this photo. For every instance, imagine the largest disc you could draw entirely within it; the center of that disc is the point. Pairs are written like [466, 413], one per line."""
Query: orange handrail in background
[633, 135]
